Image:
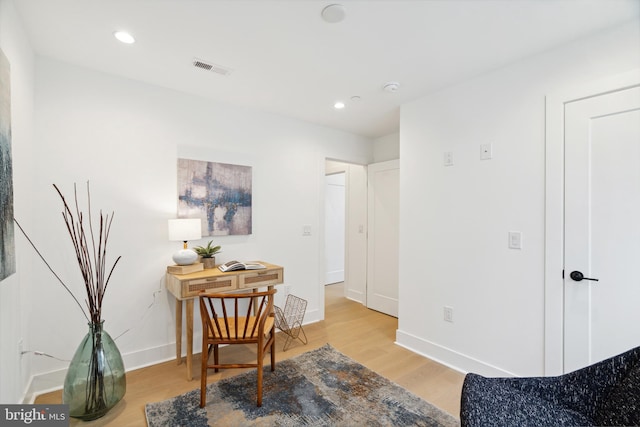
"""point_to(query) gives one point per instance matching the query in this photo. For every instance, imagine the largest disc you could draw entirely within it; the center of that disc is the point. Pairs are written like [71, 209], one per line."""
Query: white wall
[386, 147]
[14, 290]
[125, 137]
[455, 219]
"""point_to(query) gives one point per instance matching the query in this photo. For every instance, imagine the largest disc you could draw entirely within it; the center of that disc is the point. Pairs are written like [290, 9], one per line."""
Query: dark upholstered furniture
[604, 394]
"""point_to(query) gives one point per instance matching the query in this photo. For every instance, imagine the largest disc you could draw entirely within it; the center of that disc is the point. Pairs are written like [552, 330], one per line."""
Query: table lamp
[185, 229]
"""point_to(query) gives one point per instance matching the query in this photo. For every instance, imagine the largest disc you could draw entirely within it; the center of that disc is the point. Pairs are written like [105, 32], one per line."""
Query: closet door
[602, 235]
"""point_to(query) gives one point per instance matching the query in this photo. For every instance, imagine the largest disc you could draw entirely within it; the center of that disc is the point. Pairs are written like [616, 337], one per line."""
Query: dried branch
[91, 255]
[51, 269]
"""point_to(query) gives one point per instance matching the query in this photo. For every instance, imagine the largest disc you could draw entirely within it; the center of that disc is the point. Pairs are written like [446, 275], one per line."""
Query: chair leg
[273, 351]
[260, 365]
[203, 377]
[216, 357]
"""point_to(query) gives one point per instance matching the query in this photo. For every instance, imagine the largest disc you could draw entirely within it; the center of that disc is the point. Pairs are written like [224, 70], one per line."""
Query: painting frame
[220, 194]
[7, 236]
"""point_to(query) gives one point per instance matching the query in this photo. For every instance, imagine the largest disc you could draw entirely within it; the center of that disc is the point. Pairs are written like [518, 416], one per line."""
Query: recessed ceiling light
[124, 37]
[338, 105]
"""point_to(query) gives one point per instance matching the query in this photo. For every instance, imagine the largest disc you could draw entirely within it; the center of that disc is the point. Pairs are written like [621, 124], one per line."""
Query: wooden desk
[186, 287]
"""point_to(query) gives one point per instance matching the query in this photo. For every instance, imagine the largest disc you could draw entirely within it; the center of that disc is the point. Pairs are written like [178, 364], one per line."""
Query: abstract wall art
[217, 193]
[7, 242]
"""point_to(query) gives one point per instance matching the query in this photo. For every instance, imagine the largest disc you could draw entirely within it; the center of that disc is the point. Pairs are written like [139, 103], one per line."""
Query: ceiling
[285, 59]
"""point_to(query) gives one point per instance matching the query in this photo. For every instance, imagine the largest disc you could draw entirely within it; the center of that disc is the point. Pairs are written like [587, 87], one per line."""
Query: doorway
[593, 202]
[353, 244]
[370, 232]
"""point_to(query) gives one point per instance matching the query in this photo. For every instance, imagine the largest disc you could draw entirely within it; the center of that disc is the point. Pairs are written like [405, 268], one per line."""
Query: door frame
[354, 272]
[554, 209]
[372, 240]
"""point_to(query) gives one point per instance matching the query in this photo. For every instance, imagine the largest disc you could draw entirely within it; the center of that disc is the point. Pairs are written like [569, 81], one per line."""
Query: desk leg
[189, 338]
[179, 331]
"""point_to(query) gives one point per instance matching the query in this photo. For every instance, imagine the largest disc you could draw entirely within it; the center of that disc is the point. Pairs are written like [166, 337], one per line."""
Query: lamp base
[185, 269]
[185, 257]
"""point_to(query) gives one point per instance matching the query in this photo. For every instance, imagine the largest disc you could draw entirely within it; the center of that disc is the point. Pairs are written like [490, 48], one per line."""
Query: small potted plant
[208, 254]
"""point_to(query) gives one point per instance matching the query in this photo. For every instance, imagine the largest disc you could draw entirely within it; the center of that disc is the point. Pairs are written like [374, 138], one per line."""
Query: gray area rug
[322, 387]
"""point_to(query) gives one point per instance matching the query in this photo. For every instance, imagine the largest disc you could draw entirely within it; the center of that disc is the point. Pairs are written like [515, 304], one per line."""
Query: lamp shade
[184, 229]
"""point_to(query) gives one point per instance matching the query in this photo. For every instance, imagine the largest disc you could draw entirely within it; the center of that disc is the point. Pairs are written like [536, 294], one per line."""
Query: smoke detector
[209, 66]
[391, 86]
[333, 13]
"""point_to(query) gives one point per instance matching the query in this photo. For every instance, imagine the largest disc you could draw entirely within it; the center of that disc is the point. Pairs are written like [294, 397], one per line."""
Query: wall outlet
[448, 314]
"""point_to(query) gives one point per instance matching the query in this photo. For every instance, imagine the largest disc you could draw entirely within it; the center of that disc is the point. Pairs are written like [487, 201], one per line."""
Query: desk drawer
[191, 288]
[258, 279]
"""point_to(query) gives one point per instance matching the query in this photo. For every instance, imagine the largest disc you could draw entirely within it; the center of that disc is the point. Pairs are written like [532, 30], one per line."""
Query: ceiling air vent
[208, 66]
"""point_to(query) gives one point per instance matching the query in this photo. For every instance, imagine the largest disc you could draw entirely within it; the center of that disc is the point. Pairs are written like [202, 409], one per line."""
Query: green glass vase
[96, 380]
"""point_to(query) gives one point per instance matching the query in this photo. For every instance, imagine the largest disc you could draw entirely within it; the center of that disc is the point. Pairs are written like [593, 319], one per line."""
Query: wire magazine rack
[290, 319]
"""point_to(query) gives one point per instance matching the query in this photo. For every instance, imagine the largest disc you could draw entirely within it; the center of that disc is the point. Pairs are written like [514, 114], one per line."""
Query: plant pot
[209, 262]
[95, 380]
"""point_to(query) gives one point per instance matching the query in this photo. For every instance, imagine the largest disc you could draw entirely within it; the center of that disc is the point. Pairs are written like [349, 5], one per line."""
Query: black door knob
[578, 276]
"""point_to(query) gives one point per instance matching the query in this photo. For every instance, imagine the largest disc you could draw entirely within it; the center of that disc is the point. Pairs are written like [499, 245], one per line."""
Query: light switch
[485, 152]
[448, 158]
[515, 240]
[306, 230]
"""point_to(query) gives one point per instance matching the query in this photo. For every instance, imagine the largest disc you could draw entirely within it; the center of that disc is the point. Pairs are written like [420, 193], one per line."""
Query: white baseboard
[335, 276]
[311, 316]
[43, 383]
[356, 296]
[54, 380]
[450, 358]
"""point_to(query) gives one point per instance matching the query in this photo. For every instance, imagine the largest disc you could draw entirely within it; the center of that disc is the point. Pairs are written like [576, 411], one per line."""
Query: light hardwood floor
[364, 335]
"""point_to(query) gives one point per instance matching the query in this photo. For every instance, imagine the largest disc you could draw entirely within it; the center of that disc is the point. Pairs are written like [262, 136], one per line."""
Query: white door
[334, 228]
[382, 260]
[602, 227]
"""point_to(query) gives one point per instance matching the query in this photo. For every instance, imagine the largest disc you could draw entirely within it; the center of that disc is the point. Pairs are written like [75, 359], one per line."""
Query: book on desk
[237, 265]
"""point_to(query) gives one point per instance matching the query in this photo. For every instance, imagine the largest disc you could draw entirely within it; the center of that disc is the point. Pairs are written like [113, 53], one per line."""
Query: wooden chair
[223, 322]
